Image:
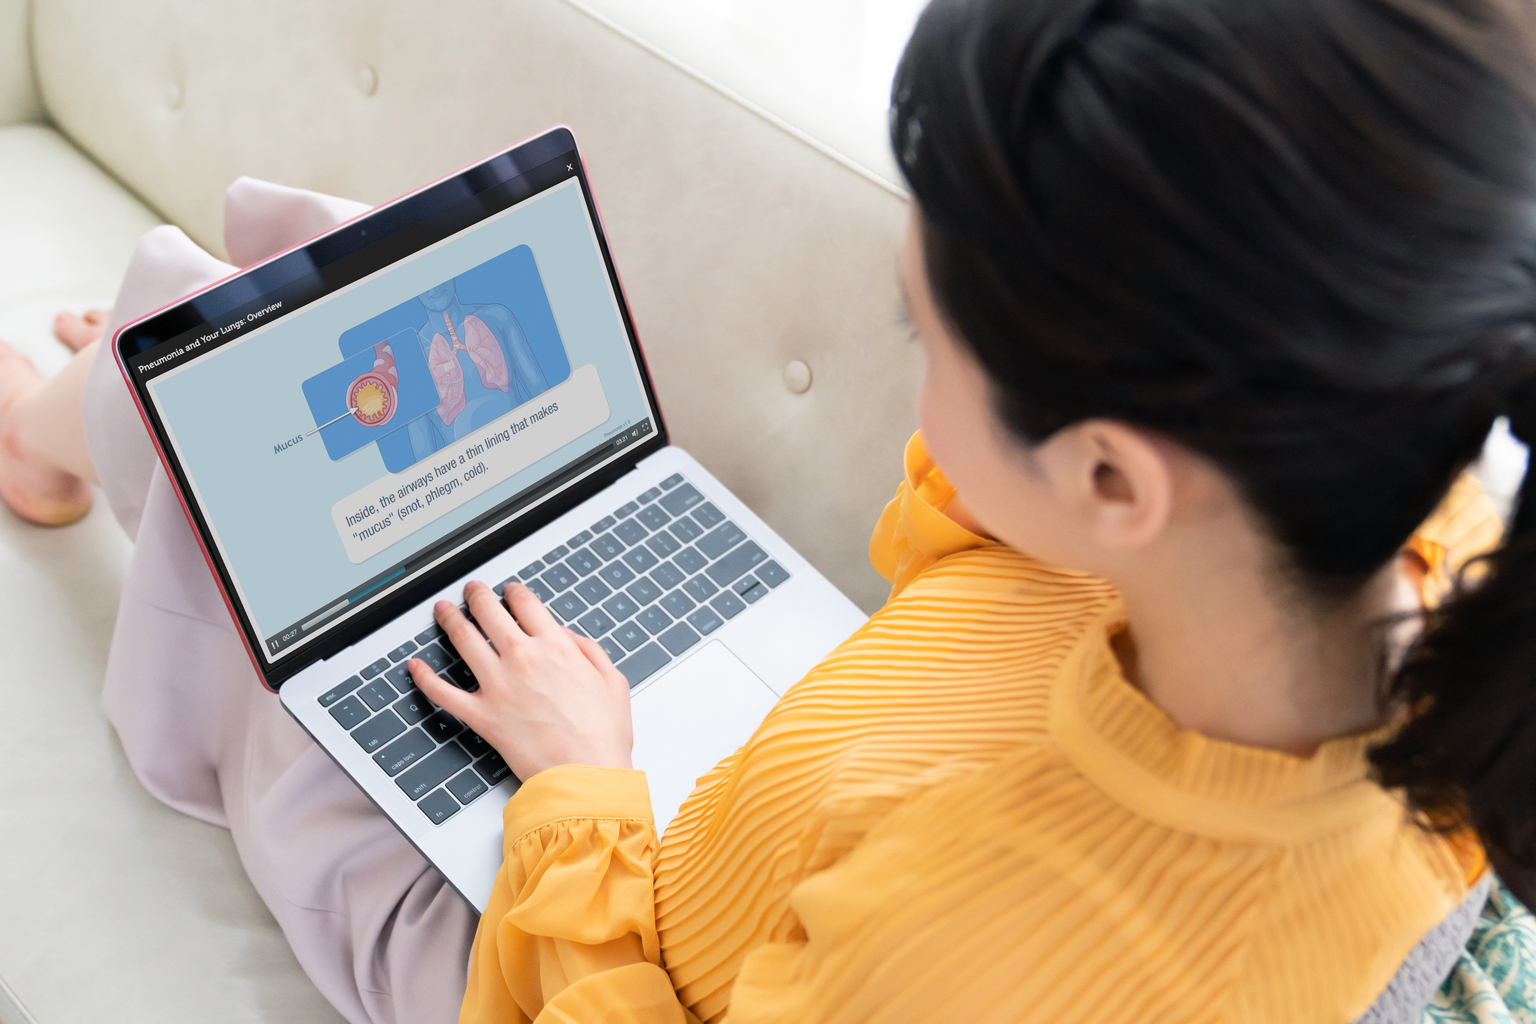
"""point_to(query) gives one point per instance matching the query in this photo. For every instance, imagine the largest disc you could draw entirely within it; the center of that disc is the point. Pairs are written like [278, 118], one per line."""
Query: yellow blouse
[965, 813]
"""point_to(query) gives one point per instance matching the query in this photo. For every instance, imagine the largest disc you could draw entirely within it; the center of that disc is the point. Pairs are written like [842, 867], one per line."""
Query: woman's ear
[1119, 479]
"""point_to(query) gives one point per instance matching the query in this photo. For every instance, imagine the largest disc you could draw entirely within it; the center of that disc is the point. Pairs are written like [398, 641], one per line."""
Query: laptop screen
[345, 432]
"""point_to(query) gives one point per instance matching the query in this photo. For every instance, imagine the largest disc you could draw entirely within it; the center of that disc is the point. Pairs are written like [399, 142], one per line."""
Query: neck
[1227, 656]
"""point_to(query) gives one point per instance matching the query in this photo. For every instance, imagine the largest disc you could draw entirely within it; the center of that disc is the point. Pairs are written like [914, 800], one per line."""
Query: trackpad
[691, 719]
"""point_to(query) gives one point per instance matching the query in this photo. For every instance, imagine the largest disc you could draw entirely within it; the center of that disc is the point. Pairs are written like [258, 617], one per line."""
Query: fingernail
[442, 606]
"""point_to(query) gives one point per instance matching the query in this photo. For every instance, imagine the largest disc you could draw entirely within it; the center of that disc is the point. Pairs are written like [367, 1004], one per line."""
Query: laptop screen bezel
[252, 284]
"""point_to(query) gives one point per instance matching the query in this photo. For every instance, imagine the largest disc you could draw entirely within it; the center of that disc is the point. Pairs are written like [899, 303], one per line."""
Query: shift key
[432, 772]
[736, 563]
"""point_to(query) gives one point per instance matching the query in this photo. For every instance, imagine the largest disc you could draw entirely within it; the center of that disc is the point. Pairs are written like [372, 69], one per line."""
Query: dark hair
[1296, 236]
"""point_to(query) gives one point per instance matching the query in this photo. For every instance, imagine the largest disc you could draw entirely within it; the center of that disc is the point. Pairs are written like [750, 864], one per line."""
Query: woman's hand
[546, 697]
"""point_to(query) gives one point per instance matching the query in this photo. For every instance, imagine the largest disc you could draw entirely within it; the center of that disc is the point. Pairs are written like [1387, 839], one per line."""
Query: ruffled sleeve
[569, 933]
[913, 531]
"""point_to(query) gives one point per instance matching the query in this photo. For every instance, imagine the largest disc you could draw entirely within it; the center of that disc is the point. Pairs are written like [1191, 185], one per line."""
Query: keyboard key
[439, 807]
[413, 707]
[580, 539]
[772, 573]
[705, 621]
[685, 529]
[607, 547]
[744, 584]
[404, 752]
[690, 561]
[678, 604]
[630, 635]
[604, 524]
[442, 727]
[540, 591]
[400, 677]
[643, 591]
[650, 495]
[643, 663]
[620, 607]
[630, 532]
[460, 676]
[375, 668]
[350, 712]
[531, 570]
[339, 691]
[595, 622]
[583, 562]
[473, 744]
[551, 557]
[592, 590]
[377, 694]
[492, 768]
[678, 639]
[433, 771]
[639, 559]
[626, 509]
[671, 481]
[668, 575]
[378, 730]
[663, 544]
[558, 578]
[402, 651]
[613, 650]
[700, 588]
[736, 563]
[708, 516]
[654, 517]
[429, 634]
[435, 657]
[654, 619]
[720, 540]
[568, 606]
[616, 574]
[466, 786]
[681, 499]
[501, 587]
[727, 604]
[753, 593]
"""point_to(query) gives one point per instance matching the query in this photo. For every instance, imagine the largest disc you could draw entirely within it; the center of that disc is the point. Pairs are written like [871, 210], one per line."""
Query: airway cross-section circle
[374, 399]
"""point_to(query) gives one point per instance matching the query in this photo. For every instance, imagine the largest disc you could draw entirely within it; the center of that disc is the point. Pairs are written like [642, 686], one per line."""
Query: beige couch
[743, 246]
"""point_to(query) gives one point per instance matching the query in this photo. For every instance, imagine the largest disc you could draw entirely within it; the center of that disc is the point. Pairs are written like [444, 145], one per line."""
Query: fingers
[491, 615]
[443, 693]
[472, 647]
[530, 612]
[600, 661]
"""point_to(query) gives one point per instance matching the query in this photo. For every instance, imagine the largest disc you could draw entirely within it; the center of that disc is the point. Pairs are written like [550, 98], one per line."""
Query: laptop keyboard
[647, 582]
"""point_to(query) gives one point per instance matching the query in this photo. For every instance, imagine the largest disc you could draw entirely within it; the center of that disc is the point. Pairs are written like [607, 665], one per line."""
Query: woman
[1219, 298]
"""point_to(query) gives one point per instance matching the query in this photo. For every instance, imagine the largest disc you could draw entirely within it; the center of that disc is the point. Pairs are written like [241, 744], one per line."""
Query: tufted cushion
[742, 249]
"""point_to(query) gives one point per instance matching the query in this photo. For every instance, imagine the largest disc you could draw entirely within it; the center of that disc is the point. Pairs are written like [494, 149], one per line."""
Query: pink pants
[377, 929]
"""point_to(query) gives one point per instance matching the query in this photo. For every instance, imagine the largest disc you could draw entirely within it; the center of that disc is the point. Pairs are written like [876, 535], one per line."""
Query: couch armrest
[18, 84]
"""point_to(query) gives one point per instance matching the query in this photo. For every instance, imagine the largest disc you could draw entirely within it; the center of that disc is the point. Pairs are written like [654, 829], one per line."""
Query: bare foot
[37, 492]
[79, 331]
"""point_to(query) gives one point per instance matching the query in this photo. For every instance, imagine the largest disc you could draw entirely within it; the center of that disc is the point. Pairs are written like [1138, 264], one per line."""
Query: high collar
[1131, 750]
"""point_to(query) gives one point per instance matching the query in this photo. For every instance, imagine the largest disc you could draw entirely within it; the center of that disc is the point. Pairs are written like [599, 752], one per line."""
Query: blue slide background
[271, 511]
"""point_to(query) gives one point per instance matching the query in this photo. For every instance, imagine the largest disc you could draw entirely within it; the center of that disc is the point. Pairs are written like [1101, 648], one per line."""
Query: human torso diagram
[441, 365]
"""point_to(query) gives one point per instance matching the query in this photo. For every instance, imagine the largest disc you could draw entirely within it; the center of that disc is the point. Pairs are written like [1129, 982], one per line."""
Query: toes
[76, 332]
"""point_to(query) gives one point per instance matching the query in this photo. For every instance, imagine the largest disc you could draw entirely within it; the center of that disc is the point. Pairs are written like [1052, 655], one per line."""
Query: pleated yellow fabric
[966, 813]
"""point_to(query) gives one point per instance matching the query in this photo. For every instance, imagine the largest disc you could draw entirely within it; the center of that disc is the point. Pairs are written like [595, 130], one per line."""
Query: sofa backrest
[18, 88]
[742, 248]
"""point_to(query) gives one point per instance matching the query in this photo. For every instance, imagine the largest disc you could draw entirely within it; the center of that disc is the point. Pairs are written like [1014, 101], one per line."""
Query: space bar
[642, 663]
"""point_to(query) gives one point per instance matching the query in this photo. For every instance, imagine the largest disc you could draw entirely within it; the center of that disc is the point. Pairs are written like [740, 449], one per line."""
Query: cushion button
[173, 96]
[797, 377]
[367, 80]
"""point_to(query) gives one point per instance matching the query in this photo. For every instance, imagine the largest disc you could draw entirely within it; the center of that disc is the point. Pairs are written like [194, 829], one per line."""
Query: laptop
[448, 388]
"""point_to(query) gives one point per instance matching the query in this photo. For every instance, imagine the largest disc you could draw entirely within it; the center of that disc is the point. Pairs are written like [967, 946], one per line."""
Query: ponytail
[1467, 757]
